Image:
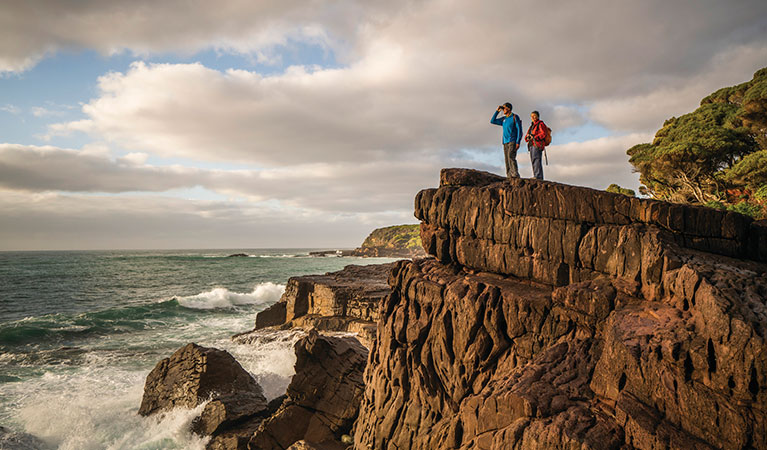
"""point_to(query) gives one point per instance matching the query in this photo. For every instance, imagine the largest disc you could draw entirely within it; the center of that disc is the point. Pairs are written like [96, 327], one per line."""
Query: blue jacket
[512, 129]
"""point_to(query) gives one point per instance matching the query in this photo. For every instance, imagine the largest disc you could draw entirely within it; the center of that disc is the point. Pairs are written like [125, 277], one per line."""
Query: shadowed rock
[323, 398]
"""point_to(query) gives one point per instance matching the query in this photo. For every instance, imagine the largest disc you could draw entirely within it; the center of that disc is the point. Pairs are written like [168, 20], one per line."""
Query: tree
[722, 145]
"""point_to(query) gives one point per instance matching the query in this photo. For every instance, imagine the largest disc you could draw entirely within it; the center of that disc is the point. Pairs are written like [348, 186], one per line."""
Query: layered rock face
[346, 300]
[563, 317]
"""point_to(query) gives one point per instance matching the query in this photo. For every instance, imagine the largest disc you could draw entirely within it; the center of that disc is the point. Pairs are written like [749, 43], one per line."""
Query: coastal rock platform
[345, 301]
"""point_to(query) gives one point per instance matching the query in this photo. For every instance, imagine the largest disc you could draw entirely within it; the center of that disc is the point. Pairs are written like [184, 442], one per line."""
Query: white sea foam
[264, 293]
[270, 357]
[95, 408]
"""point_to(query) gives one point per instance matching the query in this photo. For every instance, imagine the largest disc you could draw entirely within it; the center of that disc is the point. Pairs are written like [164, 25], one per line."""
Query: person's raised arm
[494, 119]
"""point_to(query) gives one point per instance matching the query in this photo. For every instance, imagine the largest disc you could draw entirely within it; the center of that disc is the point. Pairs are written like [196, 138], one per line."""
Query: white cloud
[30, 32]
[10, 109]
[648, 110]
[596, 163]
[70, 221]
[328, 188]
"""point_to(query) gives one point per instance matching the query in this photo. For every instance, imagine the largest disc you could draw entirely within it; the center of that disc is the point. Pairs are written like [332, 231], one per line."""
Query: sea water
[80, 331]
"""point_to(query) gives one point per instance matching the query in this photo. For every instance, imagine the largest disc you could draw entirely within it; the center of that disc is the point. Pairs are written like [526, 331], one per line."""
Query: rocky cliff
[562, 317]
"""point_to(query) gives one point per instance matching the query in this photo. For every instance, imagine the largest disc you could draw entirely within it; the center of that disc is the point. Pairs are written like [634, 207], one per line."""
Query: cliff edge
[563, 317]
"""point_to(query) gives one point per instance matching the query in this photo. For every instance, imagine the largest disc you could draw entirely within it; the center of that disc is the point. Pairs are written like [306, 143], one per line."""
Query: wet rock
[323, 398]
[194, 374]
[14, 440]
[271, 316]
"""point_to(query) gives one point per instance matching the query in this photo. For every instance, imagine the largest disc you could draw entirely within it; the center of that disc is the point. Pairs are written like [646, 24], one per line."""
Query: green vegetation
[615, 189]
[715, 155]
[398, 236]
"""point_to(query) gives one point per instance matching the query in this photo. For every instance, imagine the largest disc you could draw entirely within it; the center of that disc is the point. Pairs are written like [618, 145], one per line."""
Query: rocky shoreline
[550, 316]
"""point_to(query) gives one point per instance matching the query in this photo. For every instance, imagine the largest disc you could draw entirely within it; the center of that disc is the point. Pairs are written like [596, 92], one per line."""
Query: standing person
[536, 142]
[512, 136]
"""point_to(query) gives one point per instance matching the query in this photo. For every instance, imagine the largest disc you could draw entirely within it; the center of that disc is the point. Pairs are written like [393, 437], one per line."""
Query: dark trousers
[536, 153]
[510, 154]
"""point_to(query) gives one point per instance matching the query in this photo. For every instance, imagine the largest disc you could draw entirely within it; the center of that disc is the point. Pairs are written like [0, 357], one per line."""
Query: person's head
[534, 116]
[507, 108]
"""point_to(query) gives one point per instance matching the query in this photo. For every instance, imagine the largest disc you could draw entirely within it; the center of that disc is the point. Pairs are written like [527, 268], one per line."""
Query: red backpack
[547, 139]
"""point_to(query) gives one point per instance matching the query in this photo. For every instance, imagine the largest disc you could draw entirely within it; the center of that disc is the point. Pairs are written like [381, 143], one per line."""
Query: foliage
[716, 205]
[761, 193]
[397, 236]
[615, 189]
[746, 208]
[719, 148]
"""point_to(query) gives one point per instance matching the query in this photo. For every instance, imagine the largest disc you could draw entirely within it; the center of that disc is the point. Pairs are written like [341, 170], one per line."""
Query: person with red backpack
[538, 137]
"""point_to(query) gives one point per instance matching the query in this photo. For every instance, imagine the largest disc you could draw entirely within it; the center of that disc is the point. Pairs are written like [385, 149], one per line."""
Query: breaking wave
[264, 293]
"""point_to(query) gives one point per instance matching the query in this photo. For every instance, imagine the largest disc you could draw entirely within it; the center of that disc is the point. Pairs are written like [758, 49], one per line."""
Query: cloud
[55, 221]
[648, 110]
[410, 85]
[29, 33]
[596, 163]
[343, 188]
[10, 109]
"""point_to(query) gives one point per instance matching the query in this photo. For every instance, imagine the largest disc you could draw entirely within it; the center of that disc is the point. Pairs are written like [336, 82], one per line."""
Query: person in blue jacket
[512, 135]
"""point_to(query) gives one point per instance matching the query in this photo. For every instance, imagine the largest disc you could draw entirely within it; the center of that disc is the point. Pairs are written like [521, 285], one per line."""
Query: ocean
[79, 332]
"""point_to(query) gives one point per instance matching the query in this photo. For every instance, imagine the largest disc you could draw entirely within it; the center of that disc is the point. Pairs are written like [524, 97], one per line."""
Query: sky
[272, 124]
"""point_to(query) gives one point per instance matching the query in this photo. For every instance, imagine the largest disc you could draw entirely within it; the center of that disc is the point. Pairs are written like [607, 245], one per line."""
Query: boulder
[195, 374]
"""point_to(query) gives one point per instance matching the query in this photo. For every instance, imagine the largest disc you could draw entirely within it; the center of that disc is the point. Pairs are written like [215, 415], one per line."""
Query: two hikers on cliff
[535, 137]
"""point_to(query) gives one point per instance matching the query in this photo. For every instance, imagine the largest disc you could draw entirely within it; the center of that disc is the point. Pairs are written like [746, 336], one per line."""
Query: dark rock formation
[238, 255]
[346, 300]
[273, 315]
[320, 406]
[323, 398]
[195, 374]
[327, 253]
[562, 317]
[14, 440]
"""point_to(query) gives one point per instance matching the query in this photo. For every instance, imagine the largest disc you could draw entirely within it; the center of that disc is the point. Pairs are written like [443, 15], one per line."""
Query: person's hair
[536, 113]
[508, 105]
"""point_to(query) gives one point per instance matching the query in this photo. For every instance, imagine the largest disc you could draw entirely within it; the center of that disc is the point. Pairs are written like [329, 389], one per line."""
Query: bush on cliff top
[717, 153]
[397, 236]
[616, 189]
